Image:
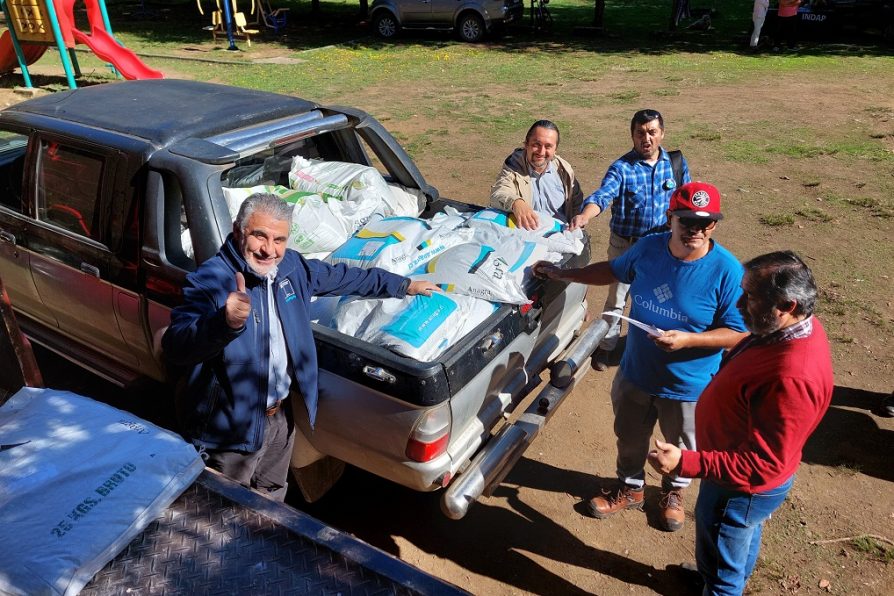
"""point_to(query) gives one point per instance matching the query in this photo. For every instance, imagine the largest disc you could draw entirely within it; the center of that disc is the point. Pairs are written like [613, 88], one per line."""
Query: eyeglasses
[697, 223]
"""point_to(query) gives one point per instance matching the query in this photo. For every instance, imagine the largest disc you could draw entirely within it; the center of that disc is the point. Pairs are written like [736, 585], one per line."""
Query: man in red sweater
[752, 420]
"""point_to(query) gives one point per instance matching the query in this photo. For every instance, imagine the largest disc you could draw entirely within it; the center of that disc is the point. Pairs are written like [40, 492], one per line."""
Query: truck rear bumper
[501, 453]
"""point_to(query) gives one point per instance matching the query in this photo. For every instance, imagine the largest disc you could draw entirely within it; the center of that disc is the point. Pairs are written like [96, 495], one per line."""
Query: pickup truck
[110, 195]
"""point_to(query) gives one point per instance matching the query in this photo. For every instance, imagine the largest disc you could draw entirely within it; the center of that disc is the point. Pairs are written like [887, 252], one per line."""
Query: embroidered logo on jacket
[287, 290]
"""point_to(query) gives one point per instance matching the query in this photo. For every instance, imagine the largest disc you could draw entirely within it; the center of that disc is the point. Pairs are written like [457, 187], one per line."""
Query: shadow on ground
[490, 541]
[850, 436]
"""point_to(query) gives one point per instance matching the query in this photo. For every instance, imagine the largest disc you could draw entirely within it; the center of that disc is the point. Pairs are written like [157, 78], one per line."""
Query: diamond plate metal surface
[206, 543]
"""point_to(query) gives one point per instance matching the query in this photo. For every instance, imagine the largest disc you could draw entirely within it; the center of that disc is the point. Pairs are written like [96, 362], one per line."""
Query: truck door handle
[380, 374]
[7, 237]
[90, 269]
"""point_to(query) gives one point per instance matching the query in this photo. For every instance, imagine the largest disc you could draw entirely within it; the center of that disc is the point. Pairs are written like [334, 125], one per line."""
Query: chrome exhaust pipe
[562, 373]
[496, 455]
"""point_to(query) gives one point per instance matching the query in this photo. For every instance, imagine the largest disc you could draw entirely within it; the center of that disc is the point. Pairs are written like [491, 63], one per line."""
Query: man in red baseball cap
[684, 286]
[696, 200]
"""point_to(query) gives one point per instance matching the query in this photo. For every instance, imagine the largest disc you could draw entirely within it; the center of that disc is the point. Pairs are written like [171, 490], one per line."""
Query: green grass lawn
[446, 100]
[340, 53]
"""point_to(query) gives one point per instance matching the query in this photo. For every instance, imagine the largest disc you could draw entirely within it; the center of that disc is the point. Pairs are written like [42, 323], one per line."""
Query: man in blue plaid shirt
[638, 185]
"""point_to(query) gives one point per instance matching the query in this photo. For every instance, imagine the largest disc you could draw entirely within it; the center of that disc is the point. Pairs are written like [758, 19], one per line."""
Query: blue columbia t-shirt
[670, 294]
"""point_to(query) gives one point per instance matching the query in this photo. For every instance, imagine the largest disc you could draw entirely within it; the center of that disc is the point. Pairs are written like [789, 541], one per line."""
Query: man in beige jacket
[536, 180]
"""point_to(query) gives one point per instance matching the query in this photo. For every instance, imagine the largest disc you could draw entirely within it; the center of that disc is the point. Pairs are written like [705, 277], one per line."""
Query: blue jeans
[728, 527]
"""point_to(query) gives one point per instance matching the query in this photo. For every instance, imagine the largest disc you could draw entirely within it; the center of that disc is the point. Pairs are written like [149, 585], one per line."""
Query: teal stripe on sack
[421, 319]
[482, 257]
[523, 258]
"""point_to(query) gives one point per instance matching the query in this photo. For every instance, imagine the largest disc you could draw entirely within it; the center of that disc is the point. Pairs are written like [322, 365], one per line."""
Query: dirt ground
[532, 535]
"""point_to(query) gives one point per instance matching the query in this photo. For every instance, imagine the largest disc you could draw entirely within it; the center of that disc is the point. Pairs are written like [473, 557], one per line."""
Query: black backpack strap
[676, 158]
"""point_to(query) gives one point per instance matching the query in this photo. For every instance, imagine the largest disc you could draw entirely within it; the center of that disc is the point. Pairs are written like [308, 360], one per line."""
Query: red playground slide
[103, 44]
[8, 60]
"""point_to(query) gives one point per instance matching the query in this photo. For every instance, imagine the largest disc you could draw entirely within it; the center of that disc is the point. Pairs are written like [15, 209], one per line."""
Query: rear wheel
[470, 27]
[385, 24]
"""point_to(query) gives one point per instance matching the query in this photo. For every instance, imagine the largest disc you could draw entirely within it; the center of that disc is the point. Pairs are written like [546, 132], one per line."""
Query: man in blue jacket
[243, 337]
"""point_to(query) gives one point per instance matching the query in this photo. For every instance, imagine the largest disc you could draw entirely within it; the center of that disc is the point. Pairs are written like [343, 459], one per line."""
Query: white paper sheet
[647, 328]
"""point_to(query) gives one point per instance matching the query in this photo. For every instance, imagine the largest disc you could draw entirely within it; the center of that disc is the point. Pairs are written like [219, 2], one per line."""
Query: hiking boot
[618, 499]
[600, 359]
[672, 514]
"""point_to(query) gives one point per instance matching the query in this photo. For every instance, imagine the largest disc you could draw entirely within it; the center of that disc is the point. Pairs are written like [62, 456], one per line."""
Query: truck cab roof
[164, 111]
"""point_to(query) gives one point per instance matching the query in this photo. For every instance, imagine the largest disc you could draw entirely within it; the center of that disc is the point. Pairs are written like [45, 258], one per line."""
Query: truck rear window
[271, 166]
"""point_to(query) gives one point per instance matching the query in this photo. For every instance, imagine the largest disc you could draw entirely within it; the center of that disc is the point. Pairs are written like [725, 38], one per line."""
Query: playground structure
[34, 25]
[228, 21]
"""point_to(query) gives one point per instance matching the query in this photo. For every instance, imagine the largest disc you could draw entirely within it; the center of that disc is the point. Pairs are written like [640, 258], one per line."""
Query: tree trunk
[598, 13]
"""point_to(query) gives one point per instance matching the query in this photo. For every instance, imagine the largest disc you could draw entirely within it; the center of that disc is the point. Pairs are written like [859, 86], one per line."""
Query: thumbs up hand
[238, 305]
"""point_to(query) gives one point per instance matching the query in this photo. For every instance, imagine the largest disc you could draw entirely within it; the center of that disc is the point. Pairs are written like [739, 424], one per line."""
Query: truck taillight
[430, 436]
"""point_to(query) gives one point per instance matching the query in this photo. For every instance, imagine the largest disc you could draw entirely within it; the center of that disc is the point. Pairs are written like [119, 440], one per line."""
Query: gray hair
[782, 278]
[263, 202]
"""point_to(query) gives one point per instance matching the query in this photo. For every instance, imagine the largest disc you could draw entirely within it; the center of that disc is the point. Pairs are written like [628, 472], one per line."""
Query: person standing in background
[787, 29]
[638, 186]
[758, 16]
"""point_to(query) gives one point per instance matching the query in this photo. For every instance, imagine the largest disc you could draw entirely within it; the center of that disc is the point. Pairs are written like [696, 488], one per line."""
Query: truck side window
[12, 164]
[69, 181]
[177, 237]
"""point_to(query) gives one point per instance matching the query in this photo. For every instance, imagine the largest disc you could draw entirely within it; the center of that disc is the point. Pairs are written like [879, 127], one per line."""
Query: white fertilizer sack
[78, 481]
[551, 231]
[419, 327]
[494, 267]
[405, 201]
[449, 218]
[320, 226]
[342, 181]
[397, 244]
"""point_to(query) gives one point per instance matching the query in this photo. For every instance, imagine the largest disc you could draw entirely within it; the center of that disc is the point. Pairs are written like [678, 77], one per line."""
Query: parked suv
[471, 19]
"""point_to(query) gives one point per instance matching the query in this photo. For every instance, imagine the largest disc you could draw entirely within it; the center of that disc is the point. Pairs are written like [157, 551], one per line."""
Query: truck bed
[430, 383]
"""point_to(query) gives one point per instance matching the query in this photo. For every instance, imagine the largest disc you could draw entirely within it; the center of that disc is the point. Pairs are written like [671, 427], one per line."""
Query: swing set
[230, 22]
